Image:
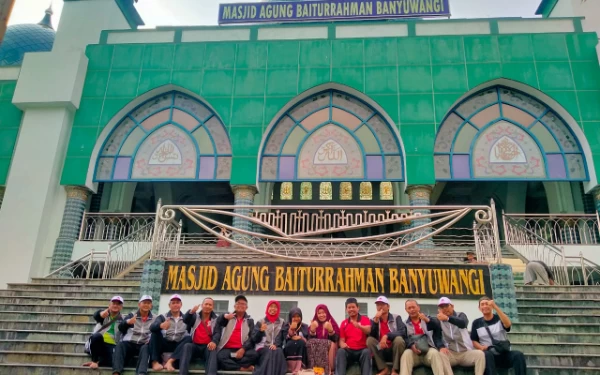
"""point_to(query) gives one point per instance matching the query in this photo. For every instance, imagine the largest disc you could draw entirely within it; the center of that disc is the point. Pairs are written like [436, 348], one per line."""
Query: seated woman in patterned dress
[323, 336]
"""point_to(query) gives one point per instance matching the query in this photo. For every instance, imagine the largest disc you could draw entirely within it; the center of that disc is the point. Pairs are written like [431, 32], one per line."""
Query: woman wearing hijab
[295, 344]
[268, 335]
[323, 336]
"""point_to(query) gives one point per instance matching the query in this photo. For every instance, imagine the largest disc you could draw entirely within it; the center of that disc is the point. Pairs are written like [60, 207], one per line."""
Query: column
[70, 226]
[243, 195]
[420, 195]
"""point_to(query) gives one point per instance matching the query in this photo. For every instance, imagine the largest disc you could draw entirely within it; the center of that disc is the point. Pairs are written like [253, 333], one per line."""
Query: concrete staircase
[44, 325]
[559, 329]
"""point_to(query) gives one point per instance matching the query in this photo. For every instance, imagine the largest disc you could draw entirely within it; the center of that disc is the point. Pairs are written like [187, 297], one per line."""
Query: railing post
[178, 238]
[90, 261]
[155, 235]
[564, 264]
[106, 263]
[83, 225]
[496, 233]
[583, 270]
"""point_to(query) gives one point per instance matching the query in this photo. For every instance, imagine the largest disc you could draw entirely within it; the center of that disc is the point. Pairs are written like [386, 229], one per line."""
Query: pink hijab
[321, 331]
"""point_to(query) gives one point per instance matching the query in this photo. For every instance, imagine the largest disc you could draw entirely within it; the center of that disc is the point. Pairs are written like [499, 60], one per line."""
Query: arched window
[332, 136]
[169, 137]
[503, 134]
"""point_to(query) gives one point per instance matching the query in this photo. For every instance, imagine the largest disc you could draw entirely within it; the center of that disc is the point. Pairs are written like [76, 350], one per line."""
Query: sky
[204, 12]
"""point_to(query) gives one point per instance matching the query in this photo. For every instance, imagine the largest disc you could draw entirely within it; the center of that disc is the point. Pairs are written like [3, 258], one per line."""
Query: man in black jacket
[106, 334]
[169, 332]
[236, 348]
[425, 343]
[205, 335]
[387, 339]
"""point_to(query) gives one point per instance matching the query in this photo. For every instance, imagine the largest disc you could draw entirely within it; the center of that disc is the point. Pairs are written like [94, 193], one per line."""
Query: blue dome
[20, 39]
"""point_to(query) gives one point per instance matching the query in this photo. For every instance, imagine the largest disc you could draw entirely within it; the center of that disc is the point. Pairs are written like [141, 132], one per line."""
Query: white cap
[175, 296]
[444, 301]
[117, 298]
[382, 299]
[145, 297]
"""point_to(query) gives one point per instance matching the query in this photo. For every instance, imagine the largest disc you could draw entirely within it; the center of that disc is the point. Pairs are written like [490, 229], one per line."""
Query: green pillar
[70, 226]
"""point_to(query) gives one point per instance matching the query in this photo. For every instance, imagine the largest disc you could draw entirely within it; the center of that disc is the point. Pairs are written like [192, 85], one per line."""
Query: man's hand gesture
[132, 320]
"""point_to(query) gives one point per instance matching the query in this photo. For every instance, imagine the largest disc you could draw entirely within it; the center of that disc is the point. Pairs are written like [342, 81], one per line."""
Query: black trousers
[513, 359]
[101, 352]
[126, 350]
[190, 351]
[227, 363]
[159, 345]
[346, 357]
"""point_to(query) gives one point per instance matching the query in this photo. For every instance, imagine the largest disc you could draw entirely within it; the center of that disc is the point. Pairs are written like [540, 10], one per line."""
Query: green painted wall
[415, 79]
[10, 121]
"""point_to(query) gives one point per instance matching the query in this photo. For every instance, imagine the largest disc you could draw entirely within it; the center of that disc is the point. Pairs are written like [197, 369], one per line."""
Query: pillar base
[243, 196]
[70, 226]
[420, 195]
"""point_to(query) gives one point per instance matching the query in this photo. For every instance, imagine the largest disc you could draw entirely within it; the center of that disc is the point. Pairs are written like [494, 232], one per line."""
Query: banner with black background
[462, 281]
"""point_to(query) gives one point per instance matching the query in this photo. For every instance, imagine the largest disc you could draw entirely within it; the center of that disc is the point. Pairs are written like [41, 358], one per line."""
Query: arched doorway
[169, 146]
[332, 148]
[505, 143]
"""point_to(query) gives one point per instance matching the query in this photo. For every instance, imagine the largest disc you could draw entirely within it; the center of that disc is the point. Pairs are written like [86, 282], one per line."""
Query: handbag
[498, 346]
[88, 343]
[421, 343]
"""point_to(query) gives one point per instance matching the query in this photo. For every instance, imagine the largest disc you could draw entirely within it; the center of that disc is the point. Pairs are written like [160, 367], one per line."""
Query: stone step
[557, 327]
[564, 360]
[534, 309]
[37, 369]
[91, 300]
[42, 346]
[558, 318]
[45, 358]
[47, 336]
[559, 347]
[66, 308]
[106, 295]
[558, 288]
[535, 337]
[574, 303]
[94, 282]
[52, 316]
[568, 296]
[40, 369]
[46, 325]
[75, 287]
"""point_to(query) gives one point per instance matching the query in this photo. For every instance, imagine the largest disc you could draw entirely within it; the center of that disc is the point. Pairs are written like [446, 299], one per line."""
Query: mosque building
[296, 107]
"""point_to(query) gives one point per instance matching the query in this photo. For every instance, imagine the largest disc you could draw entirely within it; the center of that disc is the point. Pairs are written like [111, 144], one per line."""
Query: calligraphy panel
[167, 153]
[330, 152]
[505, 150]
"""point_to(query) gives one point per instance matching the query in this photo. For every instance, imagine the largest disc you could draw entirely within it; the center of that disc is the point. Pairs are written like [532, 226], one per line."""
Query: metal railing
[167, 234]
[112, 226]
[567, 270]
[328, 232]
[89, 266]
[579, 229]
[583, 271]
[129, 250]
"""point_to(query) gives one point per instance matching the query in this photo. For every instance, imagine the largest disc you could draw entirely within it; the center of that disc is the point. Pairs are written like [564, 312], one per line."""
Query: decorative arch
[500, 133]
[331, 136]
[170, 136]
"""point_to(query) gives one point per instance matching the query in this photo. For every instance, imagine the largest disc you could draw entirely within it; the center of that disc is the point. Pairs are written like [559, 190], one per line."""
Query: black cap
[241, 296]
[351, 300]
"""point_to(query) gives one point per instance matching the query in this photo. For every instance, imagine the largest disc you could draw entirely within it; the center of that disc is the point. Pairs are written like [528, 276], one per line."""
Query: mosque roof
[20, 39]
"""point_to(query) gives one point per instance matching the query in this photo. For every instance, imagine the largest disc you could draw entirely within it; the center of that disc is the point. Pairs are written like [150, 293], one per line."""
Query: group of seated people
[274, 346]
